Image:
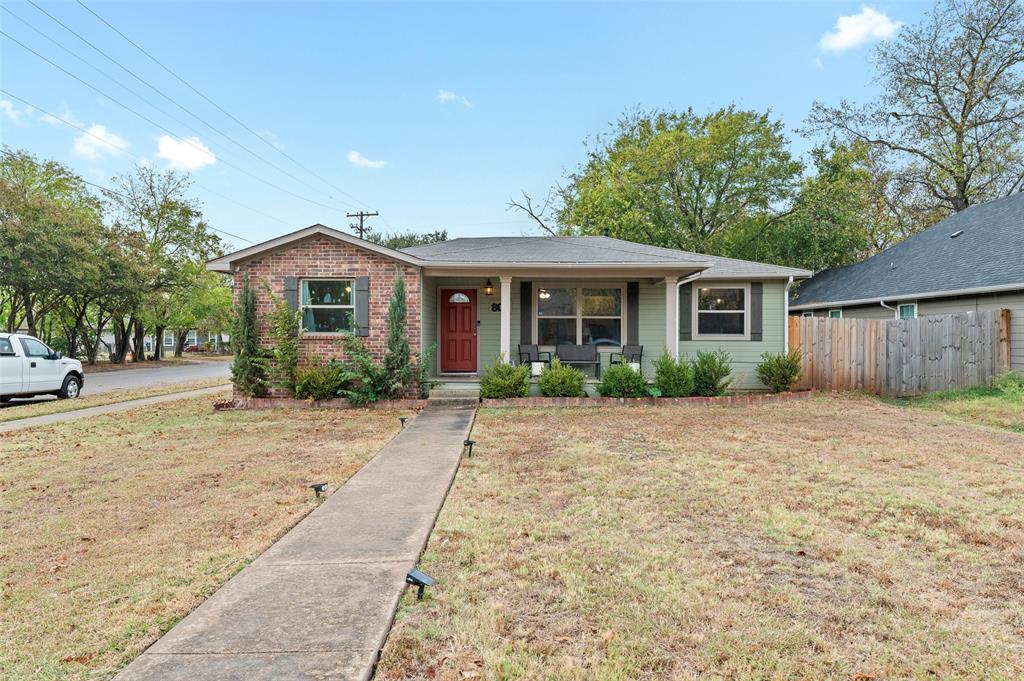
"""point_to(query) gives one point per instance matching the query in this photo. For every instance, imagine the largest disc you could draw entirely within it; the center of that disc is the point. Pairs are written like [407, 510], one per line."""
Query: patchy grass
[1001, 405]
[835, 538]
[15, 410]
[102, 366]
[111, 530]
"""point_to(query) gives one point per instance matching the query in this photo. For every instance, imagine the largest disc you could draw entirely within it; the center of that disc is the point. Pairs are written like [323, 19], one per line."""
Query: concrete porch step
[469, 402]
[467, 392]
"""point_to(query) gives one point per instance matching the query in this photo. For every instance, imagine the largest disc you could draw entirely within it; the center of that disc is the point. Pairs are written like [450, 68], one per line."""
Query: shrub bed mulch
[293, 403]
[727, 400]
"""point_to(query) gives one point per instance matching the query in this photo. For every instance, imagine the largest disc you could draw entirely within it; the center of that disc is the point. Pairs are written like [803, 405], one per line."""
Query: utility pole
[362, 215]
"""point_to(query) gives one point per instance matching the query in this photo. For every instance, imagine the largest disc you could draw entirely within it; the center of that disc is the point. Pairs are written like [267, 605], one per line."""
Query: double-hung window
[580, 315]
[722, 312]
[328, 305]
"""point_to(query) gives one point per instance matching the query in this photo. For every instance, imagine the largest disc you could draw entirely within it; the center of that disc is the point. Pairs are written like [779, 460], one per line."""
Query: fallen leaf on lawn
[608, 635]
[860, 676]
[80, 659]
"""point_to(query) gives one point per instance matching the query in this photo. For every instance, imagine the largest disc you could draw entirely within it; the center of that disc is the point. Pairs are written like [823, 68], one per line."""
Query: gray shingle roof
[589, 250]
[988, 253]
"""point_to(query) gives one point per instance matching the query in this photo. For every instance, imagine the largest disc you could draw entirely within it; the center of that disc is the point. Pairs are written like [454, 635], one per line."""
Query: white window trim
[696, 335]
[836, 309]
[807, 313]
[302, 308]
[168, 339]
[899, 305]
[621, 285]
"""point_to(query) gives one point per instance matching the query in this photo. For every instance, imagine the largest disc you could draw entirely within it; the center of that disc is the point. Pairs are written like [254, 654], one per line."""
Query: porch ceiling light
[488, 288]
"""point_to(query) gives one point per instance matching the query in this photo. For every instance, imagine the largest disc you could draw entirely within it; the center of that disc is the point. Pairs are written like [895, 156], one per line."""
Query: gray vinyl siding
[1013, 301]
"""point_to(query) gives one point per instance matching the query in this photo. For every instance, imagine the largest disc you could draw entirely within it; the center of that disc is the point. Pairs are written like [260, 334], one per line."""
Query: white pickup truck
[29, 367]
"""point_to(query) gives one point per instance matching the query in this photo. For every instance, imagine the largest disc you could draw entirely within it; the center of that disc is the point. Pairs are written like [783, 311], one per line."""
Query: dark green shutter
[291, 292]
[633, 313]
[756, 307]
[525, 313]
[362, 306]
[685, 312]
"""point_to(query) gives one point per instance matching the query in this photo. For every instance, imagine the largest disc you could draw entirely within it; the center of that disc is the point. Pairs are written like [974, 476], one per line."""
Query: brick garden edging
[292, 403]
[728, 400]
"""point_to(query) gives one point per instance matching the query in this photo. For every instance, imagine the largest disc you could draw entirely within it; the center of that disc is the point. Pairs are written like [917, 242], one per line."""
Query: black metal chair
[579, 355]
[533, 353]
[629, 355]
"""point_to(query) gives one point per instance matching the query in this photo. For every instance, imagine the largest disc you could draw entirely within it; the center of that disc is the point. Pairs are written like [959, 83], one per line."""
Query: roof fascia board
[952, 293]
[225, 263]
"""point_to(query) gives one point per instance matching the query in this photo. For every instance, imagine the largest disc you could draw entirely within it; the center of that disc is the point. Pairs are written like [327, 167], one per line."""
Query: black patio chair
[579, 355]
[629, 354]
[533, 353]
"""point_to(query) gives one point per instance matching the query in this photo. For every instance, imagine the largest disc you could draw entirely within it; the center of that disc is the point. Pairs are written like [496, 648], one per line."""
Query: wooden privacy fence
[902, 356]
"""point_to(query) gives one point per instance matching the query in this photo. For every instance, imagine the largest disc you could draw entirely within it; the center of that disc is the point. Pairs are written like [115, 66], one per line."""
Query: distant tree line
[77, 267]
[946, 132]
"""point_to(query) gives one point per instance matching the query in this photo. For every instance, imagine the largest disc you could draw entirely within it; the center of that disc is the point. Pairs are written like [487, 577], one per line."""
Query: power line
[122, 151]
[161, 127]
[167, 97]
[362, 215]
[215, 104]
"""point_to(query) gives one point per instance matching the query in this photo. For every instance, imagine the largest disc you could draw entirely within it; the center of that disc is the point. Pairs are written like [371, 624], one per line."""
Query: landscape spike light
[403, 419]
[420, 580]
[318, 488]
[469, 443]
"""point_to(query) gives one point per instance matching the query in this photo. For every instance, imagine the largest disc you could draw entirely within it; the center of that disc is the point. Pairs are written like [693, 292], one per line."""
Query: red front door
[458, 330]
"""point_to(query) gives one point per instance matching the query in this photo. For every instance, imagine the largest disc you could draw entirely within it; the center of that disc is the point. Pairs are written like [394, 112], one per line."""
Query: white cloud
[13, 113]
[55, 120]
[187, 154]
[360, 161]
[97, 142]
[854, 30]
[447, 96]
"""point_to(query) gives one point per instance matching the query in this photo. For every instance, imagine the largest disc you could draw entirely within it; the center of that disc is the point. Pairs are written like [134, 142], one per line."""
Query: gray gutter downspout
[889, 307]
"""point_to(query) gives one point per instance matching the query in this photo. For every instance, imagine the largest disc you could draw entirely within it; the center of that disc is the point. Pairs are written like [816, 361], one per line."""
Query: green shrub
[561, 381]
[502, 380]
[285, 331]
[619, 380]
[711, 371]
[673, 378]
[320, 382]
[779, 371]
[1010, 383]
[249, 370]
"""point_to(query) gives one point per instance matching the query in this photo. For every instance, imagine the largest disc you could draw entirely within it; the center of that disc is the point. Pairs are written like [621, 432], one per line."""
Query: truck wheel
[70, 388]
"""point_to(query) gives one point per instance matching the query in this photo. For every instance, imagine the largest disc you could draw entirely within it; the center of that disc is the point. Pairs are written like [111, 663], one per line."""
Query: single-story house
[971, 261]
[477, 299]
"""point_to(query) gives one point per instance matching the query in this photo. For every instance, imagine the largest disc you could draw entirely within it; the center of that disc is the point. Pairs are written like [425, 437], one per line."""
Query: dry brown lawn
[15, 410]
[112, 529]
[839, 538]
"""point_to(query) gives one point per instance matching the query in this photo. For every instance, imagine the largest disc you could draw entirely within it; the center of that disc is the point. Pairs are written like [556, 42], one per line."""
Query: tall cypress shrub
[248, 371]
[398, 359]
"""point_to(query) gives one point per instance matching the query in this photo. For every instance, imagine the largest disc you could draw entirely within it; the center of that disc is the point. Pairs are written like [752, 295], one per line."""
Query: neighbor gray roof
[989, 254]
[585, 250]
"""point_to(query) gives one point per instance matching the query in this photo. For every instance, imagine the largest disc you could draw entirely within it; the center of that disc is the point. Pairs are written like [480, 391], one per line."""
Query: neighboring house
[477, 299]
[971, 261]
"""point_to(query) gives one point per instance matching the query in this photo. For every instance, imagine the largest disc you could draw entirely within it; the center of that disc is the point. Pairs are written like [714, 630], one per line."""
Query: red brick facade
[325, 258]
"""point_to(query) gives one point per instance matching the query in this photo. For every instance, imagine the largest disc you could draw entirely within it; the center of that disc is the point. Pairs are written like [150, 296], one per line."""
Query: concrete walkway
[47, 419]
[318, 604]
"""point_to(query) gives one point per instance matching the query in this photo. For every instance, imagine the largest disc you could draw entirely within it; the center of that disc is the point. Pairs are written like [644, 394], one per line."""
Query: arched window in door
[458, 297]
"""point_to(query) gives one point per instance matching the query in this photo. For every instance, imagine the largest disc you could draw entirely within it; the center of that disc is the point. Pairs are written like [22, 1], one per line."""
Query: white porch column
[506, 317]
[672, 316]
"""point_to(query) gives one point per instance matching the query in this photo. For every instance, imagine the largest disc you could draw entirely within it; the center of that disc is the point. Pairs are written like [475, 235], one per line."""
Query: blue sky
[432, 114]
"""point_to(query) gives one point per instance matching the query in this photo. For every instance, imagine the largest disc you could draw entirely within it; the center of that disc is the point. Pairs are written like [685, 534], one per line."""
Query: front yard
[112, 529]
[838, 538]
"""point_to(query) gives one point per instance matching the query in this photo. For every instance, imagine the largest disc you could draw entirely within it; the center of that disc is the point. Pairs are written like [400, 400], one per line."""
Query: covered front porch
[475, 319]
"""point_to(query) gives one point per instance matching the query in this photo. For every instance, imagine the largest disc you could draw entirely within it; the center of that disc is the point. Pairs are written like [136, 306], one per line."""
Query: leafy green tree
[679, 180]
[407, 239]
[951, 110]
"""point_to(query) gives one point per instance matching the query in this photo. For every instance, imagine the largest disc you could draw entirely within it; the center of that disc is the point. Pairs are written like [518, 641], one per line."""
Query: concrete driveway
[134, 379]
